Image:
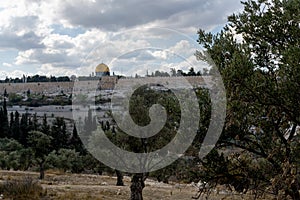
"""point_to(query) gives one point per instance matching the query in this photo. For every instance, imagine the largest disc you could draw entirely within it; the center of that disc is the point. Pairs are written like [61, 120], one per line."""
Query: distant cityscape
[53, 95]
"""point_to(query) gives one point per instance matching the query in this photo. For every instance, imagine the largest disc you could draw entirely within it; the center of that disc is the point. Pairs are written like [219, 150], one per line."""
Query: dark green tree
[35, 122]
[28, 93]
[140, 103]
[45, 127]
[4, 124]
[261, 76]
[40, 144]
[15, 129]
[24, 129]
[10, 151]
[76, 143]
[59, 134]
[66, 160]
[5, 94]
[191, 72]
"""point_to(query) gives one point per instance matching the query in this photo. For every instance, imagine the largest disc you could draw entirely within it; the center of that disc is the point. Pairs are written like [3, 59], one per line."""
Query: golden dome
[102, 68]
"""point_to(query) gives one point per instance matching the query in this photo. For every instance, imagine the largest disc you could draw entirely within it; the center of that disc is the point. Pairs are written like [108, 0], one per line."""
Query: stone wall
[106, 83]
[44, 87]
[194, 81]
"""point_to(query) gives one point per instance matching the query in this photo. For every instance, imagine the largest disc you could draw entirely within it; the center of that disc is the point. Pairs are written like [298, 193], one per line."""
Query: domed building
[102, 70]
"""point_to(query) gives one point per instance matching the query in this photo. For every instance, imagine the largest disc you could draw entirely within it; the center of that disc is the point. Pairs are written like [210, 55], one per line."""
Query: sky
[70, 37]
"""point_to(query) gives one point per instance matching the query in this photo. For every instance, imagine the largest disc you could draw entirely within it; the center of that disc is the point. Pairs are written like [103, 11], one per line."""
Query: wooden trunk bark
[119, 178]
[137, 186]
[294, 192]
[42, 171]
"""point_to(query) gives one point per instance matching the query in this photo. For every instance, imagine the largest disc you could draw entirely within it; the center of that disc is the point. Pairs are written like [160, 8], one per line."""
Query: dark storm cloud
[114, 15]
[10, 40]
[205, 15]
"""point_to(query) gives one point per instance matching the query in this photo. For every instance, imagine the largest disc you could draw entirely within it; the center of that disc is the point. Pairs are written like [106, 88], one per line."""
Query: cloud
[6, 64]
[23, 24]
[178, 56]
[115, 15]
[30, 40]
[19, 33]
[73, 36]
[61, 50]
[205, 14]
[48, 70]
[12, 74]
[40, 56]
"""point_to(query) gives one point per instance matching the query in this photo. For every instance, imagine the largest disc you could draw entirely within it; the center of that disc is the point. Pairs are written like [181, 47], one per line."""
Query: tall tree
[59, 133]
[5, 94]
[4, 124]
[261, 73]
[35, 122]
[75, 142]
[140, 103]
[40, 144]
[16, 127]
[24, 129]
[45, 127]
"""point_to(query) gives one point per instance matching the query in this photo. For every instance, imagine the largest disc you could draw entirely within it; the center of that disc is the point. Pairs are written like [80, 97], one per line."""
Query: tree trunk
[119, 178]
[137, 186]
[42, 171]
[294, 192]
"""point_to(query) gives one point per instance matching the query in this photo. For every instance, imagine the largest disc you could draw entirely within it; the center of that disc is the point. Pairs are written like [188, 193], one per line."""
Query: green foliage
[31, 142]
[76, 143]
[9, 145]
[66, 160]
[4, 126]
[15, 98]
[59, 133]
[40, 143]
[261, 76]
[13, 155]
[141, 101]
[96, 166]
[182, 170]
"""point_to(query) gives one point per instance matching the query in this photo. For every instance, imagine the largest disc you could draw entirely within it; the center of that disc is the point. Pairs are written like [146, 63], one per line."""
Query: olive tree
[258, 56]
[40, 143]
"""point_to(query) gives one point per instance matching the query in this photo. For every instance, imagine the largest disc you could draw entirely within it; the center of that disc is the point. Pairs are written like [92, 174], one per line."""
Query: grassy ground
[60, 186]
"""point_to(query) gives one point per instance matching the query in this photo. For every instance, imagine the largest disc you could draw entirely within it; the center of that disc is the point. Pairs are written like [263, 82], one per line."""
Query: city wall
[106, 83]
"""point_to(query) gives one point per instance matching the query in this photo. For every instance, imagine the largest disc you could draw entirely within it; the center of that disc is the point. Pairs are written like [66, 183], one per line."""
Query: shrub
[23, 189]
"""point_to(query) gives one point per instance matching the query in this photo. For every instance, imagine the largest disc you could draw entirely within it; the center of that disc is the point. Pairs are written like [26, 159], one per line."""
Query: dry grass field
[64, 186]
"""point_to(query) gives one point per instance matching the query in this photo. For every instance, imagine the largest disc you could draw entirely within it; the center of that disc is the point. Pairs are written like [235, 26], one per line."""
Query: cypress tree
[45, 128]
[16, 127]
[5, 124]
[75, 141]
[24, 129]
